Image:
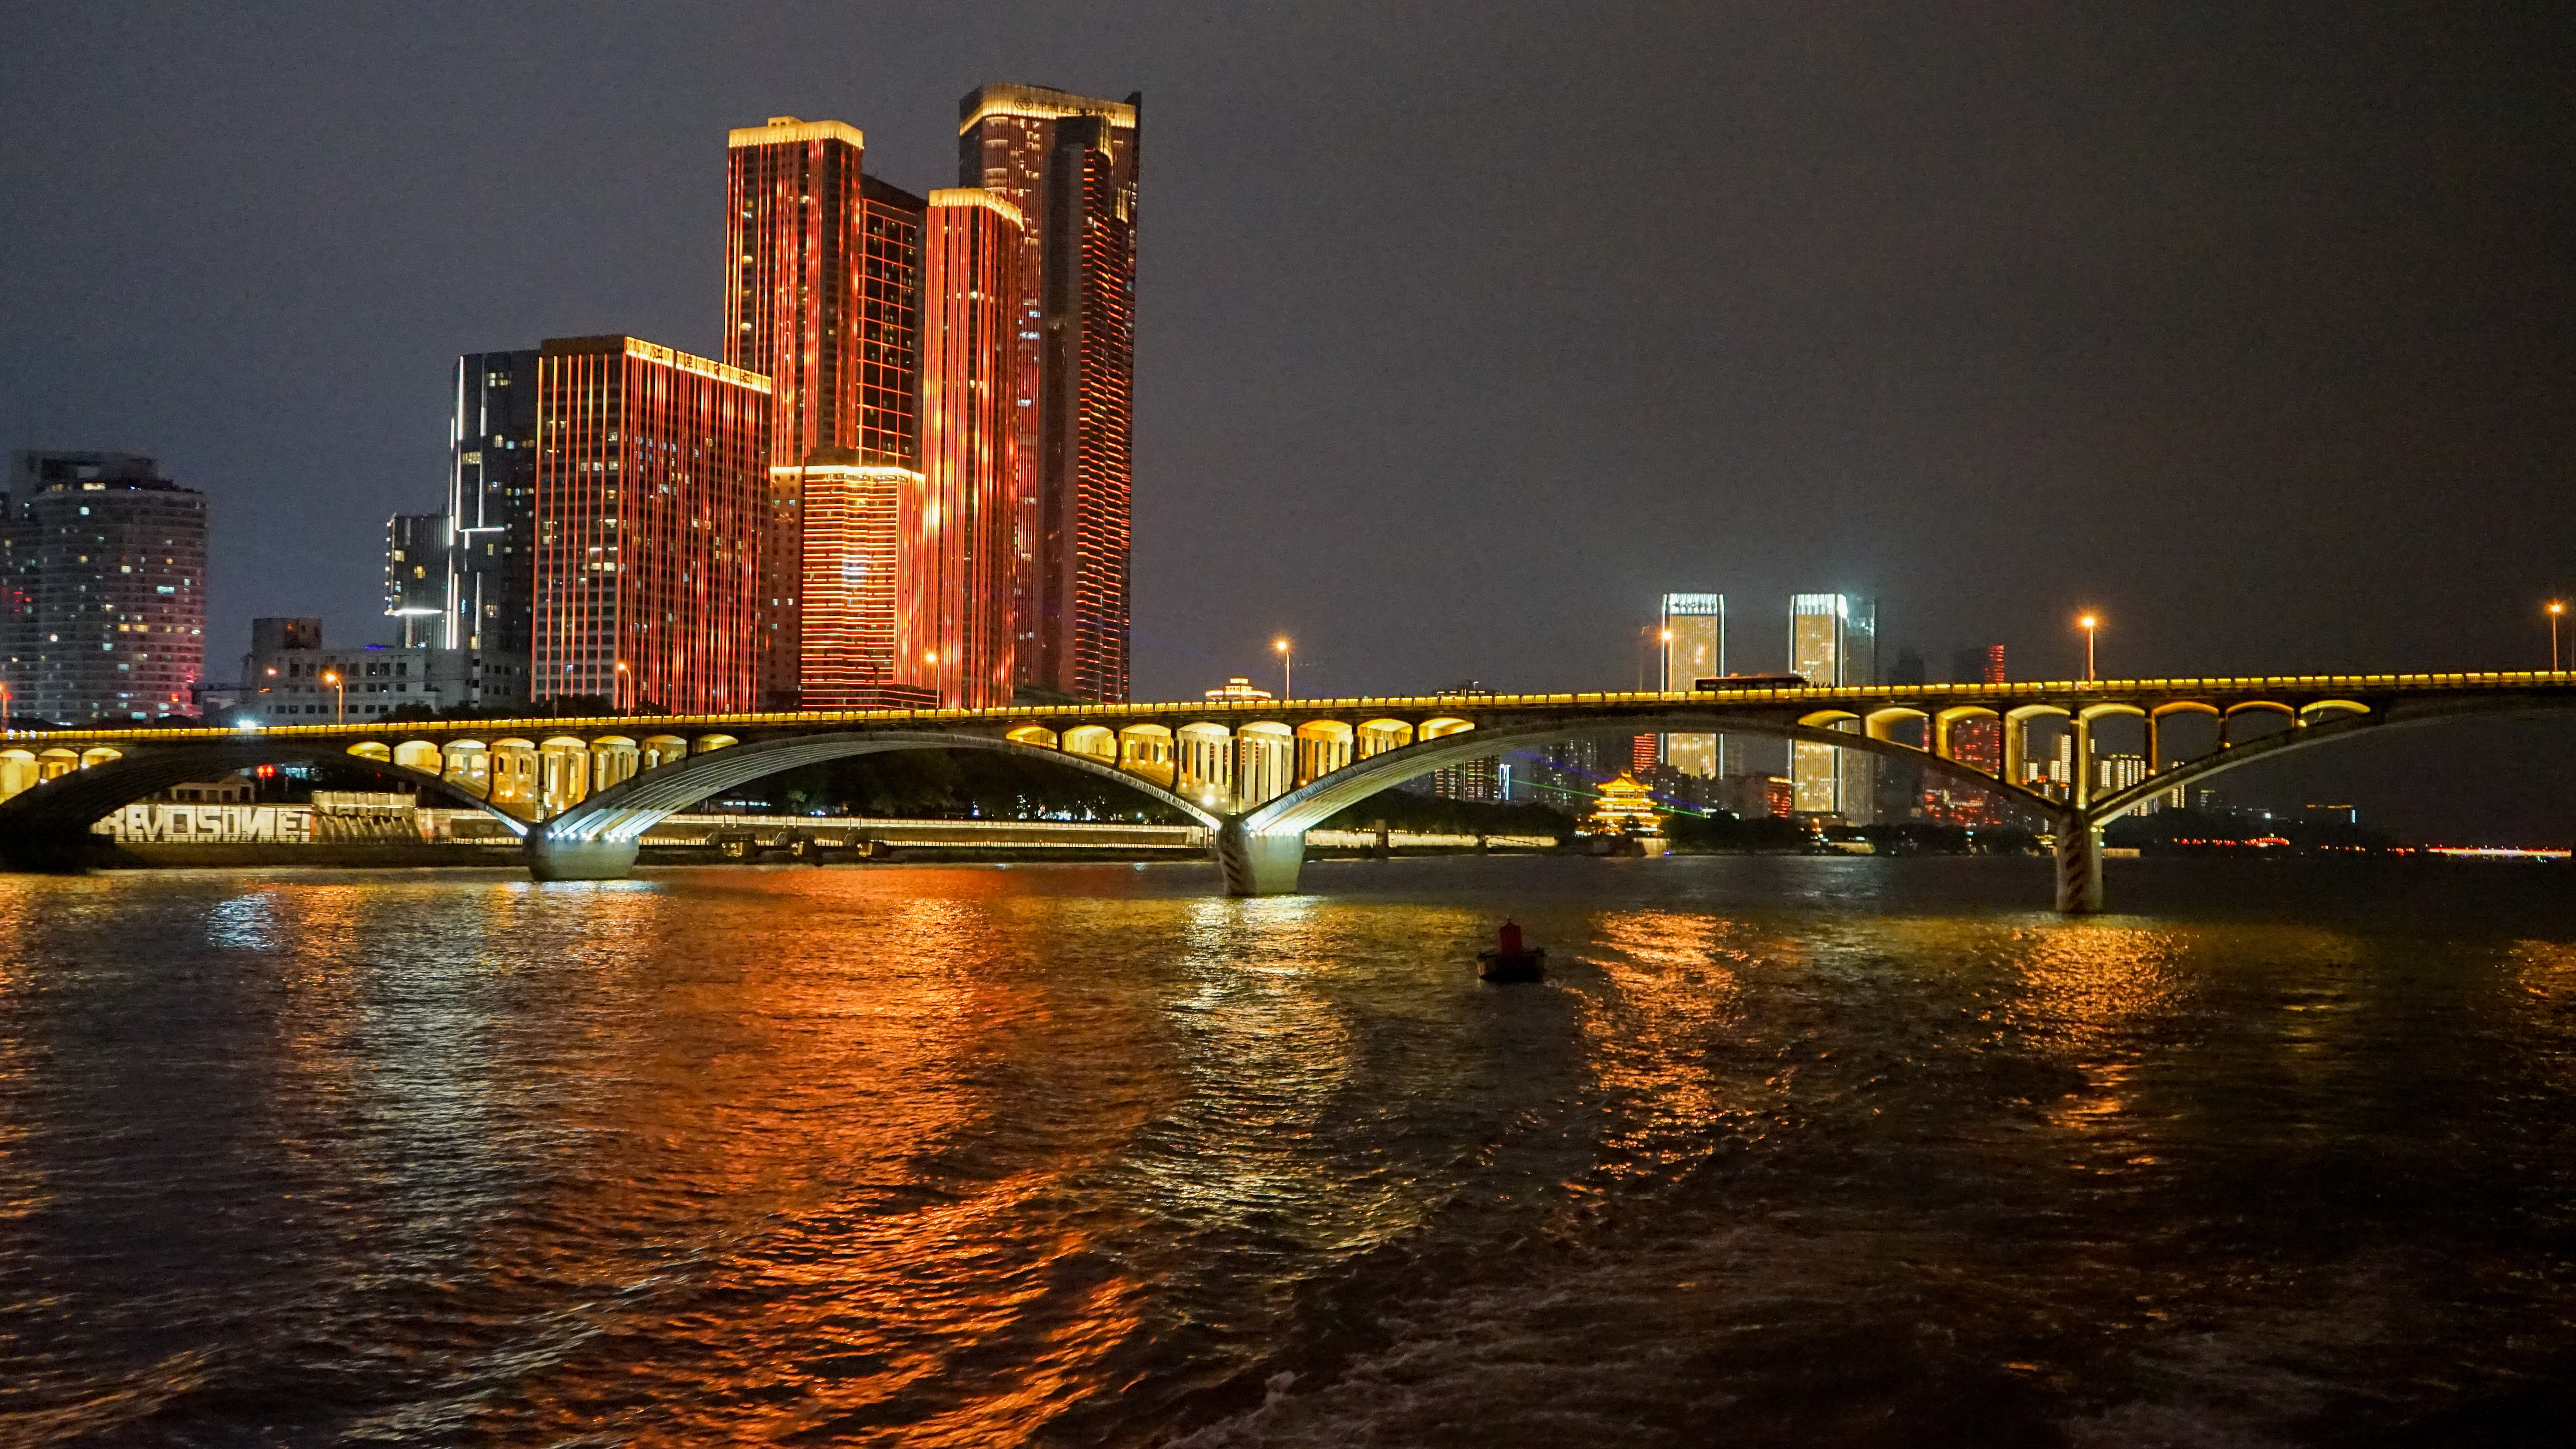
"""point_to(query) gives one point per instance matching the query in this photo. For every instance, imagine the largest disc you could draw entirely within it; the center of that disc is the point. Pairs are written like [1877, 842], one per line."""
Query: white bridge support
[553, 859]
[2079, 865]
[1258, 865]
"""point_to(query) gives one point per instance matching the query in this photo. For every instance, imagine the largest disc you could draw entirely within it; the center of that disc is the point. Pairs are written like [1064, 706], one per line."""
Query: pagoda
[1623, 807]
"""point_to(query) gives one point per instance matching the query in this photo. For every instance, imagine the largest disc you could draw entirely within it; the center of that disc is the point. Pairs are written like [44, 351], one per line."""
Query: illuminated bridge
[1258, 773]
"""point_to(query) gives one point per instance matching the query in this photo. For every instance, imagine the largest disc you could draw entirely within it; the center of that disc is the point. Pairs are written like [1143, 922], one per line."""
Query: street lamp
[618, 701]
[2556, 608]
[1287, 652]
[1648, 638]
[2090, 624]
[333, 679]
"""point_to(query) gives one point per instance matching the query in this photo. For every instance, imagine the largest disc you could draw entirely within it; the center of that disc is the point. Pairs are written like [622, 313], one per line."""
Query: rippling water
[1787, 1151]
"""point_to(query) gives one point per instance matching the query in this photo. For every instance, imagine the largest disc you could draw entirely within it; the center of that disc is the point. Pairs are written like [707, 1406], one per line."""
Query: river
[1786, 1151]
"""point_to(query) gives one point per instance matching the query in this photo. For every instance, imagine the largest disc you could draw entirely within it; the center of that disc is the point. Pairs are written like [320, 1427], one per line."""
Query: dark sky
[1464, 331]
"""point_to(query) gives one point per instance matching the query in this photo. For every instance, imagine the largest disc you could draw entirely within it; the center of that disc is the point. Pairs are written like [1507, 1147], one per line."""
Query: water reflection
[956, 1156]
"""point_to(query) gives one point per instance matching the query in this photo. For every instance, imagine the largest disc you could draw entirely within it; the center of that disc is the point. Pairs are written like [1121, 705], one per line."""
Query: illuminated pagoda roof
[1623, 807]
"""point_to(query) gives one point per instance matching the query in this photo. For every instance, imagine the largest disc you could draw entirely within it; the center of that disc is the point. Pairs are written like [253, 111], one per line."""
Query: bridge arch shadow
[1260, 851]
[597, 839]
[47, 826]
[2305, 733]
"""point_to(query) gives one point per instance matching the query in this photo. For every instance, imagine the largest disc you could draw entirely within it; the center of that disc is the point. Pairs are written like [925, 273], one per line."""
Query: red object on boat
[1511, 938]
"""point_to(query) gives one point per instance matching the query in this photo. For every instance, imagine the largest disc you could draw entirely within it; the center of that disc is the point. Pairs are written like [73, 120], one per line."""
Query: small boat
[1510, 960]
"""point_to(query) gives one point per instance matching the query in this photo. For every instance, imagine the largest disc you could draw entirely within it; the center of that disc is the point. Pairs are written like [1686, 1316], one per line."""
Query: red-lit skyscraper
[954, 578]
[649, 527]
[822, 267]
[1068, 163]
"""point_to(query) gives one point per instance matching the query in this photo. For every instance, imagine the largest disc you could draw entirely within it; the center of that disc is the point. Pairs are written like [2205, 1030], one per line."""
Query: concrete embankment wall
[180, 837]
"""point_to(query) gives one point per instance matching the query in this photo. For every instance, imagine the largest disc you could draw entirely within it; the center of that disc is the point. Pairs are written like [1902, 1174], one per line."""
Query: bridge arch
[40, 822]
[2355, 719]
[1260, 850]
[595, 839]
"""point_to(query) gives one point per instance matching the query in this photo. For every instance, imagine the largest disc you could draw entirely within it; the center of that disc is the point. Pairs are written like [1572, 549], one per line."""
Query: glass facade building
[1833, 641]
[416, 576]
[492, 518]
[650, 526]
[955, 593]
[102, 588]
[1069, 164]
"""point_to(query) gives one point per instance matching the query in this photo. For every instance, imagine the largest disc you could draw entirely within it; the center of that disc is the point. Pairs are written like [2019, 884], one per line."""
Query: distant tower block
[1833, 641]
[1694, 648]
[102, 588]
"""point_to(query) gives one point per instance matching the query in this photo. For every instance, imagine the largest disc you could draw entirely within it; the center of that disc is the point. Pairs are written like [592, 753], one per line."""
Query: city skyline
[1337, 419]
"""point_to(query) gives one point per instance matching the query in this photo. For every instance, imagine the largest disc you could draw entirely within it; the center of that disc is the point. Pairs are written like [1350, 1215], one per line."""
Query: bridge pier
[552, 859]
[2079, 865]
[53, 852]
[1258, 865]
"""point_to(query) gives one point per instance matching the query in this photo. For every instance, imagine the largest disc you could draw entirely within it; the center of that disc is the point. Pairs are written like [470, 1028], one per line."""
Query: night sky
[1464, 331]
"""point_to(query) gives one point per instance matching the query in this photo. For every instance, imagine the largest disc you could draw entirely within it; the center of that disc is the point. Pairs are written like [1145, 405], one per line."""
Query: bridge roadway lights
[1258, 865]
[2079, 866]
[552, 859]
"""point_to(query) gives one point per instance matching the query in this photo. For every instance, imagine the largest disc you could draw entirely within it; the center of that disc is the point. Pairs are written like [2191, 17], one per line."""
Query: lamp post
[1647, 641]
[618, 701]
[2090, 624]
[2556, 608]
[1287, 651]
[331, 677]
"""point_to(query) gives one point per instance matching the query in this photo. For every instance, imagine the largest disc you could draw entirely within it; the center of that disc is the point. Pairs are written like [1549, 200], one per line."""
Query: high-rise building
[955, 580]
[822, 295]
[491, 534]
[795, 235]
[649, 526]
[102, 588]
[1069, 164]
[416, 576]
[1833, 642]
[1693, 636]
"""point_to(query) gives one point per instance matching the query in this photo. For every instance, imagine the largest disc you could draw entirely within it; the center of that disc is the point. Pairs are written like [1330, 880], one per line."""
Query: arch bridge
[1258, 773]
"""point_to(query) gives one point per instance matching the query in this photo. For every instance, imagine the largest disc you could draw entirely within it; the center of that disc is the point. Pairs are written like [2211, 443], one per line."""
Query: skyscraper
[649, 526]
[795, 234]
[102, 588]
[1833, 641]
[955, 580]
[1694, 648]
[1069, 164]
[491, 535]
[822, 295]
